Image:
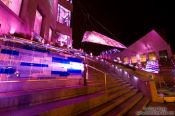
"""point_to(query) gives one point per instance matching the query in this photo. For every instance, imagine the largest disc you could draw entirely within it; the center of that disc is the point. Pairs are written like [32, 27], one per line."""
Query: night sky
[126, 20]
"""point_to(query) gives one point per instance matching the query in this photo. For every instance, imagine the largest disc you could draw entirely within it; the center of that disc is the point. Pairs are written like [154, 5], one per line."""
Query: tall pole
[84, 73]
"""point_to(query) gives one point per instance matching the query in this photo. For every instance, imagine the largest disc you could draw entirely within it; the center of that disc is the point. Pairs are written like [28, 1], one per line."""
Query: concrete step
[32, 97]
[70, 106]
[138, 107]
[25, 85]
[102, 80]
[106, 107]
[108, 85]
[126, 106]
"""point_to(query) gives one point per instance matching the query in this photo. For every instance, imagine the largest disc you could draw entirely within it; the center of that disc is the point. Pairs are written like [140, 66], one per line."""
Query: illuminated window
[70, 1]
[143, 58]
[14, 5]
[50, 34]
[134, 59]
[63, 15]
[126, 60]
[64, 40]
[38, 22]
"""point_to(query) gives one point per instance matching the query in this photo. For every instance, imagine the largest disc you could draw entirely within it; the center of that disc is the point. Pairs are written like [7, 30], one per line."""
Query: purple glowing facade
[150, 46]
[38, 22]
[23, 17]
[98, 38]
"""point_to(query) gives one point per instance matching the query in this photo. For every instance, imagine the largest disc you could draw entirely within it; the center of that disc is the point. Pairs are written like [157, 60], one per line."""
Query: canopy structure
[98, 38]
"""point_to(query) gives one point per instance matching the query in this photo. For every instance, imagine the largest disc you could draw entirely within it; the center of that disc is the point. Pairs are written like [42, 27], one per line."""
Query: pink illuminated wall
[98, 38]
[14, 5]
[10, 23]
[50, 34]
[38, 22]
[18, 16]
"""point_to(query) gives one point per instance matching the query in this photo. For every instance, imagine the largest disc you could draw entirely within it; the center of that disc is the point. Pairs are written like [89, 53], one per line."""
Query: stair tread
[111, 102]
[138, 107]
[120, 88]
[17, 93]
[51, 105]
[122, 107]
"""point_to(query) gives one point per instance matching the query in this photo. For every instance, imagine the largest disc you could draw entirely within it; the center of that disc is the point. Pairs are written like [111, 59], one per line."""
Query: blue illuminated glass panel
[10, 52]
[33, 64]
[60, 73]
[7, 70]
[60, 60]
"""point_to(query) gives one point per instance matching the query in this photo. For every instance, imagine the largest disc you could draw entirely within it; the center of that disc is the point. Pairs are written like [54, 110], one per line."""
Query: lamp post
[85, 72]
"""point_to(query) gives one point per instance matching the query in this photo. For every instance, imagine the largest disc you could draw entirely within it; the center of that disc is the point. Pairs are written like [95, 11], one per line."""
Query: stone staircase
[117, 97]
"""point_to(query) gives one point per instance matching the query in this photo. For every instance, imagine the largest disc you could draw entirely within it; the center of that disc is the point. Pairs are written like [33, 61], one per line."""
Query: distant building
[150, 47]
[50, 19]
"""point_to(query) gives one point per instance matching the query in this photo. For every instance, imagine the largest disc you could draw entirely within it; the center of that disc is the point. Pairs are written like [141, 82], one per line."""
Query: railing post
[85, 74]
[105, 81]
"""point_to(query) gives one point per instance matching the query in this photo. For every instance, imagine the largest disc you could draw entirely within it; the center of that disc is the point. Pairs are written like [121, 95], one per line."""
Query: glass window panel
[50, 34]
[70, 1]
[64, 39]
[63, 15]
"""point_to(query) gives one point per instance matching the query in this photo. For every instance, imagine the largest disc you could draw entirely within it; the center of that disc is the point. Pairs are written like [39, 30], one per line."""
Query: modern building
[149, 47]
[46, 19]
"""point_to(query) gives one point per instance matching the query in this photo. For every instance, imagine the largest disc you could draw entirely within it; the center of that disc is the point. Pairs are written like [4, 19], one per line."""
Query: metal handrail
[99, 71]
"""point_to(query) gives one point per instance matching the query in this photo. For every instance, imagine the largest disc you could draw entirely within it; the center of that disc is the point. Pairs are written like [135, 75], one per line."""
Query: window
[64, 15]
[64, 40]
[38, 22]
[50, 34]
[14, 5]
[70, 1]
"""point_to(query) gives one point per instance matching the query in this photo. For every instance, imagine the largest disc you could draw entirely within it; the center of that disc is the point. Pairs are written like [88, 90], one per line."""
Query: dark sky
[126, 20]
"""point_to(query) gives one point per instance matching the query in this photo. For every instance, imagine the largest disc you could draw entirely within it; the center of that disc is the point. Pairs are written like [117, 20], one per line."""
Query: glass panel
[63, 15]
[14, 5]
[70, 1]
[64, 40]
[50, 34]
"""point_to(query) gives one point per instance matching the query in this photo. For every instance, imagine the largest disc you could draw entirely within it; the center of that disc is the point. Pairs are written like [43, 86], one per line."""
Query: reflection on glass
[63, 15]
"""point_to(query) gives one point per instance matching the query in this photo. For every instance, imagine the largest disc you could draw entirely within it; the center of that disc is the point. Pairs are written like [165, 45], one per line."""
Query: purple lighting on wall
[14, 5]
[38, 22]
[9, 23]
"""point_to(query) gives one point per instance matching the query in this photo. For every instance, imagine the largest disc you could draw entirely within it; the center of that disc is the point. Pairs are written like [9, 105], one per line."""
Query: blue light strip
[74, 71]
[7, 70]
[10, 52]
[60, 73]
[75, 60]
[33, 64]
[60, 60]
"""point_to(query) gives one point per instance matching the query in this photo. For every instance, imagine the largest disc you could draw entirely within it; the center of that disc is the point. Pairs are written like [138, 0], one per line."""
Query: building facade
[149, 47]
[48, 19]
